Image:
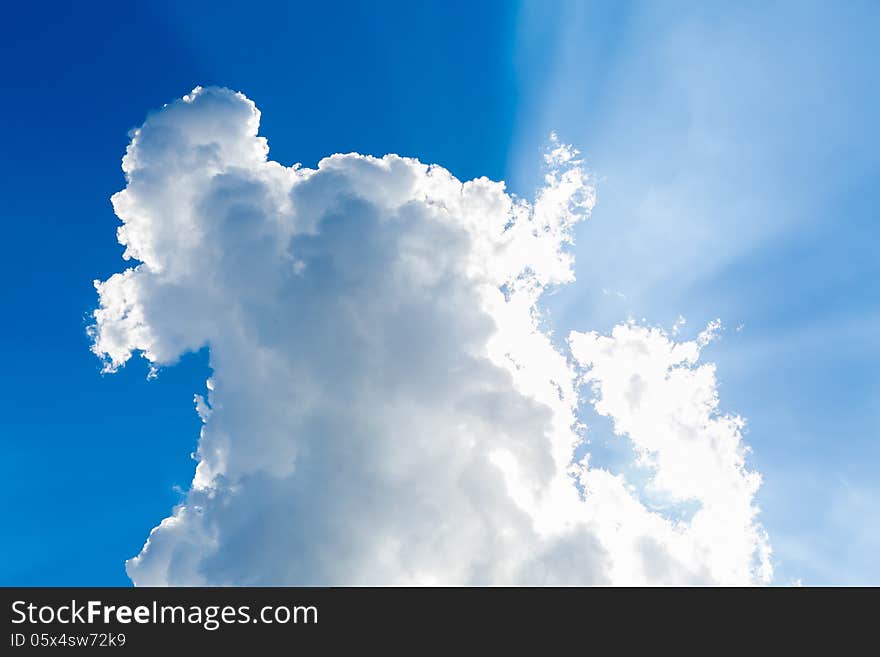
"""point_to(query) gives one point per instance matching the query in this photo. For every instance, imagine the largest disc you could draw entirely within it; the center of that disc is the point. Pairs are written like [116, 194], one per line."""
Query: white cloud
[666, 404]
[384, 408]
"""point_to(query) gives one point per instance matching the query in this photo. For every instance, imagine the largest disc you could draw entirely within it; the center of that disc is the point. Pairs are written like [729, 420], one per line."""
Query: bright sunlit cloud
[384, 405]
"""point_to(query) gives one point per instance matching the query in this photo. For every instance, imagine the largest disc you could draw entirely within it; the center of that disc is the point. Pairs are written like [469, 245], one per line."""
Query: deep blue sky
[736, 152]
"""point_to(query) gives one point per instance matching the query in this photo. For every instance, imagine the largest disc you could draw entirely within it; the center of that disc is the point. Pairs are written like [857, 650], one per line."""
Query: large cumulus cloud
[384, 407]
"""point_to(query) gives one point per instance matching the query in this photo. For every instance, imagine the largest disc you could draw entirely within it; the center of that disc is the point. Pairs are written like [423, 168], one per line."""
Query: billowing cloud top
[384, 407]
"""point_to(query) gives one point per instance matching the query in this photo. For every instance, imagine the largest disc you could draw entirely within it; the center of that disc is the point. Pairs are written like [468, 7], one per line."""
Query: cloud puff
[384, 407]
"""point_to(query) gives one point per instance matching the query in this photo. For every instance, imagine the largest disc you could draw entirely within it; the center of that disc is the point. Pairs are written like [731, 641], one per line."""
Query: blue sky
[735, 154]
